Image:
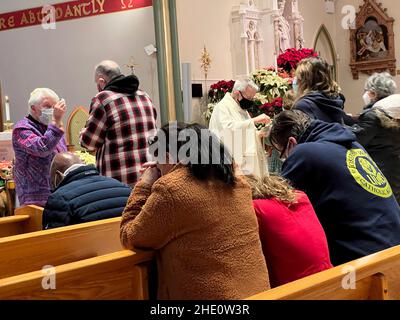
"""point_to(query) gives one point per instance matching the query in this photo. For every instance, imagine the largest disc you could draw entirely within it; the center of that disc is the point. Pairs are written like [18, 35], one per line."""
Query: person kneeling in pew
[80, 194]
[351, 196]
[198, 217]
[293, 240]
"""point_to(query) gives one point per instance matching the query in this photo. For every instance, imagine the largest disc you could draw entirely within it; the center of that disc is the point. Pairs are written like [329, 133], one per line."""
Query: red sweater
[293, 240]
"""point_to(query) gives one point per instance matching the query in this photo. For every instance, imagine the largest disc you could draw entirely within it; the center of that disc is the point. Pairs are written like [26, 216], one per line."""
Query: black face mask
[245, 104]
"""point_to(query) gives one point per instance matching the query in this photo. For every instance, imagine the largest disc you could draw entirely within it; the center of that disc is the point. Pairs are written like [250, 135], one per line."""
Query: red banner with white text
[67, 11]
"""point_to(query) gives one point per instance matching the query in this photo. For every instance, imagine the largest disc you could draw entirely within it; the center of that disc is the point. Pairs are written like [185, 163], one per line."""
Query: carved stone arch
[323, 35]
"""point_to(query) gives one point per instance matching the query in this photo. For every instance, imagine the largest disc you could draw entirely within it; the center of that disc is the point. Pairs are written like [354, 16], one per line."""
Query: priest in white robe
[234, 126]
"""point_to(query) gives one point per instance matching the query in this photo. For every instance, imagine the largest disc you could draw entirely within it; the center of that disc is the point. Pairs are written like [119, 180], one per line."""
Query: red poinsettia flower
[291, 58]
[271, 109]
[218, 90]
[278, 102]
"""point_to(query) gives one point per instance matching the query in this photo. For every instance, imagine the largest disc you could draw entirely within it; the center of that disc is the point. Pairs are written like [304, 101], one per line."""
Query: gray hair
[241, 85]
[382, 84]
[39, 94]
[108, 70]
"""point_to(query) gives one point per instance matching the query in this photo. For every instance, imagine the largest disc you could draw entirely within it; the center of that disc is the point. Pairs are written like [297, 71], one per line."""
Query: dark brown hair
[211, 160]
[290, 123]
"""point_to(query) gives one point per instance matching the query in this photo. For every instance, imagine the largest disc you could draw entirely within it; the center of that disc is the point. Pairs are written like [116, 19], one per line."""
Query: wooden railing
[376, 277]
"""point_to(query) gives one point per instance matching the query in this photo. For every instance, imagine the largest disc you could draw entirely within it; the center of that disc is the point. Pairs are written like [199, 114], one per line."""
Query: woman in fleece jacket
[198, 217]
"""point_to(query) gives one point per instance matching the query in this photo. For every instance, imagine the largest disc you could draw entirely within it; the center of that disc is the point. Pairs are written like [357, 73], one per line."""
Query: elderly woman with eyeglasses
[378, 129]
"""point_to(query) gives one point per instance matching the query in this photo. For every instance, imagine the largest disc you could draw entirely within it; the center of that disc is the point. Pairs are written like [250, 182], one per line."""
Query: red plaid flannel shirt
[118, 129]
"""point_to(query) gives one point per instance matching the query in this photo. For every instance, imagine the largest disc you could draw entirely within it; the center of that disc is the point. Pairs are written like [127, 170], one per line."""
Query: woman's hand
[150, 173]
[60, 108]
[148, 165]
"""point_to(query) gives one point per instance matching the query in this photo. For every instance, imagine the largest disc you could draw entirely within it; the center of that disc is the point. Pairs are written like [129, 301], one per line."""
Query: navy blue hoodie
[321, 107]
[351, 197]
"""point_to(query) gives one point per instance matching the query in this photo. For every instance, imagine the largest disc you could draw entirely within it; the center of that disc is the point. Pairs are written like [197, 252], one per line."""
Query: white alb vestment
[236, 129]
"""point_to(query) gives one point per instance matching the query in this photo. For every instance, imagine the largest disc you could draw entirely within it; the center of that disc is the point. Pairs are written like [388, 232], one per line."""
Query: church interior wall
[64, 59]
[209, 23]
[210, 26]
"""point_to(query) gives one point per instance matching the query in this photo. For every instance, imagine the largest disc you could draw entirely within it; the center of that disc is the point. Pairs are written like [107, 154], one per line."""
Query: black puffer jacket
[379, 134]
[85, 196]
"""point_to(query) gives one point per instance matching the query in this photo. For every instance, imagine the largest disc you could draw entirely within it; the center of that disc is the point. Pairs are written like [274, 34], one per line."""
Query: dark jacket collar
[79, 173]
[329, 108]
[42, 127]
[369, 106]
[121, 84]
[35, 121]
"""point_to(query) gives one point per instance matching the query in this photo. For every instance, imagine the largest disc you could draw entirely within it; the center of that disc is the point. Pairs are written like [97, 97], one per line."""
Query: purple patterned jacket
[35, 146]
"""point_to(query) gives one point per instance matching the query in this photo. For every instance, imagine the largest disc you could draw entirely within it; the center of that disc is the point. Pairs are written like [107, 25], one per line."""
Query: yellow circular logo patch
[367, 174]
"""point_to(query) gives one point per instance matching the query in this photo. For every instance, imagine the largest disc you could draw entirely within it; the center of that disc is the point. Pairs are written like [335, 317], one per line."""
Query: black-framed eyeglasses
[282, 152]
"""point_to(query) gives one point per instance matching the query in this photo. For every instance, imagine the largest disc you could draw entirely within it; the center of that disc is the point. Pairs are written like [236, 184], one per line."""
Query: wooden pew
[32, 251]
[120, 275]
[377, 277]
[26, 219]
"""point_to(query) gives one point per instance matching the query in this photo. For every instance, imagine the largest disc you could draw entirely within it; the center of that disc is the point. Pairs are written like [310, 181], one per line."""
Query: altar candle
[274, 4]
[8, 119]
[276, 62]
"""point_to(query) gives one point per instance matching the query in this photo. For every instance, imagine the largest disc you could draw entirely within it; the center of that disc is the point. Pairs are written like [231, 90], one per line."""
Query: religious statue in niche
[253, 44]
[372, 41]
[284, 34]
[284, 29]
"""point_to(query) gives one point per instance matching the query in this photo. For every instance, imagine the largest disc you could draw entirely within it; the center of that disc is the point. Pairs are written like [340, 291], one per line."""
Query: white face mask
[47, 116]
[367, 98]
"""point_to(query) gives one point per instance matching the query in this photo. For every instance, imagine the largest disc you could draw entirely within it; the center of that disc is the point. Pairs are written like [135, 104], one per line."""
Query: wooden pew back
[376, 277]
[118, 276]
[32, 251]
[26, 219]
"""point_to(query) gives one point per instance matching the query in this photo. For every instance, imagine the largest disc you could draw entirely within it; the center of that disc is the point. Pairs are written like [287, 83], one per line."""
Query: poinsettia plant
[5, 172]
[273, 86]
[216, 93]
[272, 108]
[292, 57]
[218, 90]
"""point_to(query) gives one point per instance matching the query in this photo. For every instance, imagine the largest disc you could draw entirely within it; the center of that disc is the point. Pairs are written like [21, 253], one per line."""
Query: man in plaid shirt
[122, 118]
